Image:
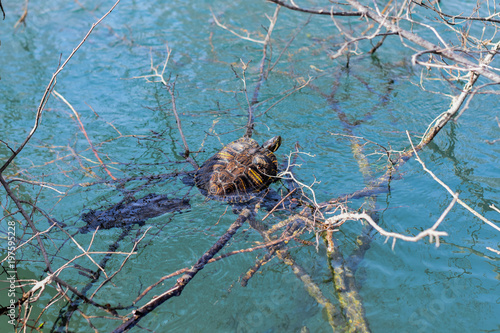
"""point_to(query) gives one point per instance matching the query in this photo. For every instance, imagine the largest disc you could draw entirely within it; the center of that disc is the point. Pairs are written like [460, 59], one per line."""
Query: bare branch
[463, 204]
[446, 52]
[262, 75]
[51, 86]
[234, 32]
[82, 128]
[432, 233]
[314, 11]
[176, 290]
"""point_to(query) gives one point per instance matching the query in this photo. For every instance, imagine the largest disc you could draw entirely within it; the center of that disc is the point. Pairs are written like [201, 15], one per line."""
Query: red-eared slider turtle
[240, 171]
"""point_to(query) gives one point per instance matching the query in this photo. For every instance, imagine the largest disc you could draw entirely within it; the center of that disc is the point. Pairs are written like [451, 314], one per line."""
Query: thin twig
[262, 74]
[171, 90]
[463, 204]
[28, 220]
[50, 87]
[176, 290]
[315, 11]
[234, 32]
[82, 129]
[279, 203]
[431, 232]
[122, 264]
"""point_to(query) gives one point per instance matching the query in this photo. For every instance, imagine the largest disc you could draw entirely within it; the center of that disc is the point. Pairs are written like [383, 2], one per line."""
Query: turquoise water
[416, 287]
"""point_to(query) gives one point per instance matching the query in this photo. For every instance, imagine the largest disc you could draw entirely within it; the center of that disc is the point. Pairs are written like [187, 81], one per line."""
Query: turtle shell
[240, 171]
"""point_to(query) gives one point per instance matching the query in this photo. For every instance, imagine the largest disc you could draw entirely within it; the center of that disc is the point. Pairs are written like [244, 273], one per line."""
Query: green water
[416, 287]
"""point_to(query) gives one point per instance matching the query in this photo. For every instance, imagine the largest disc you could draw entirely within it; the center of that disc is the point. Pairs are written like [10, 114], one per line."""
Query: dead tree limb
[309, 285]
[76, 300]
[434, 128]
[315, 11]
[171, 89]
[262, 74]
[50, 87]
[28, 220]
[176, 290]
[442, 15]
[1, 8]
[446, 52]
[22, 19]
[388, 23]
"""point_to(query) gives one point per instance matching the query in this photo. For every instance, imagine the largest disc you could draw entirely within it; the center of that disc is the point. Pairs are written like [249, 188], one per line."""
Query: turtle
[240, 171]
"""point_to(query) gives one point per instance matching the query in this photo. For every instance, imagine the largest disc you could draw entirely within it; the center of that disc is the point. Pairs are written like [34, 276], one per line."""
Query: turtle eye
[272, 144]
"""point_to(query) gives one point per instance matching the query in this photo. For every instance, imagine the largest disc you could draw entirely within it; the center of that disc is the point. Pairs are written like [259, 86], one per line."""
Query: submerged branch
[309, 285]
[176, 290]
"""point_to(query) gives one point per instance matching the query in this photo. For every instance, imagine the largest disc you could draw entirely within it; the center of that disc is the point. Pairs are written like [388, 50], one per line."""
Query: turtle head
[272, 144]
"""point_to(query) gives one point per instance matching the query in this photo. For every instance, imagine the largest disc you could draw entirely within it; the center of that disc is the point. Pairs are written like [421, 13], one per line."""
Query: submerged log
[128, 212]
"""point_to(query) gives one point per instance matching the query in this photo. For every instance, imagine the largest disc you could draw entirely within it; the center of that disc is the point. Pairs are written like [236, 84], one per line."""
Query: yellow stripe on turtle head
[255, 176]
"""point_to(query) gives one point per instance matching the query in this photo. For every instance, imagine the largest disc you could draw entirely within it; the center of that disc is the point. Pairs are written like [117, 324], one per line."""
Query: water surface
[415, 287]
